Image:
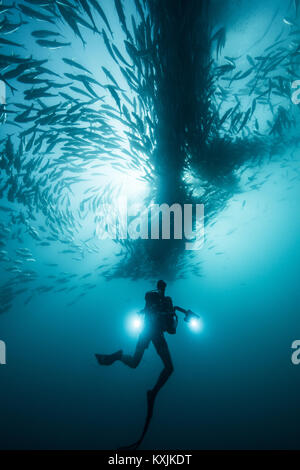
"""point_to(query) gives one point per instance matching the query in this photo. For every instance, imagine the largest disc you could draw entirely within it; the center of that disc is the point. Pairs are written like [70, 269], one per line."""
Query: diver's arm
[180, 310]
[189, 315]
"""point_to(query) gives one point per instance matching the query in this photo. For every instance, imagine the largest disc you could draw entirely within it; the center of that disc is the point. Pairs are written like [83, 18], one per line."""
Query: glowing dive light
[194, 321]
[196, 324]
[135, 323]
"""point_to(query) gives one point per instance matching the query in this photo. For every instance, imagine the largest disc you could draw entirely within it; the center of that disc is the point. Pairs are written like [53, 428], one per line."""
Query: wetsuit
[157, 311]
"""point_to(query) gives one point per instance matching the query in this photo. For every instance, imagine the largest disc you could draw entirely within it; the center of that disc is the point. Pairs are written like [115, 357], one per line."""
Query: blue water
[234, 384]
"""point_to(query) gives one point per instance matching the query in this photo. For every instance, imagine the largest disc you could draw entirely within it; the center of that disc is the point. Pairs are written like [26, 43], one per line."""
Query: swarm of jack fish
[62, 127]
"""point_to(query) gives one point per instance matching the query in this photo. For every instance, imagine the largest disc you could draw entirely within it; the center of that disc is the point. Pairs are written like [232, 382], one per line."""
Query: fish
[6, 8]
[8, 28]
[246, 118]
[52, 44]
[85, 6]
[121, 15]
[3, 79]
[115, 95]
[42, 34]
[34, 14]
[74, 140]
[6, 42]
[108, 46]
[75, 64]
[115, 50]
[30, 78]
[40, 92]
[40, 3]
[95, 4]
[109, 76]
[220, 38]
[5, 209]
[67, 15]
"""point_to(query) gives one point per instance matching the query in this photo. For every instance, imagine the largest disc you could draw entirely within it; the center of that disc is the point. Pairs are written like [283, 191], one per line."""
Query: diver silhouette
[160, 317]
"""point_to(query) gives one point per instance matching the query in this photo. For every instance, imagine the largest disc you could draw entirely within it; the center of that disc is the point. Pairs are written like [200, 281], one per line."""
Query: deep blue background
[234, 385]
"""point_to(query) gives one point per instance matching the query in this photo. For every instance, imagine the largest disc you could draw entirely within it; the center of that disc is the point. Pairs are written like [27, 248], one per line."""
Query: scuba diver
[159, 317]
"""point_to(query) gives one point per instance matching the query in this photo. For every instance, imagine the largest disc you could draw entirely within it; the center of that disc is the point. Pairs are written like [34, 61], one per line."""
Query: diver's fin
[150, 406]
[108, 359]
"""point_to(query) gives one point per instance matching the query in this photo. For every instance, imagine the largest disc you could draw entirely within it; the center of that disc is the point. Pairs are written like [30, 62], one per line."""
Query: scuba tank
[171, 322]
[154, 305]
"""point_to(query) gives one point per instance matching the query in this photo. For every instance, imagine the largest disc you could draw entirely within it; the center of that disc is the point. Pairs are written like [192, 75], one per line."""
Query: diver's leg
[162, 349]
[131, 361]
[134, 360]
